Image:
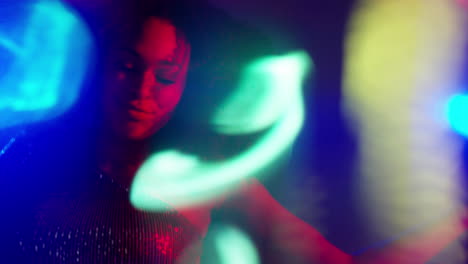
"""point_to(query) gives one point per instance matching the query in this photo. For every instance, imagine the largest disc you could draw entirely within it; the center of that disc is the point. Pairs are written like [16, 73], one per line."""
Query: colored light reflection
[229, 245]
[182, 179]
[262, 95]
[457, 113]
[463, 3]
[50, 54]
[399, 74]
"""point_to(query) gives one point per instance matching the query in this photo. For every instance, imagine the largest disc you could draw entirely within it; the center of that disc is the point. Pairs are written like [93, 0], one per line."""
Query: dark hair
[220, 45]
[124, 18]
[204, 26]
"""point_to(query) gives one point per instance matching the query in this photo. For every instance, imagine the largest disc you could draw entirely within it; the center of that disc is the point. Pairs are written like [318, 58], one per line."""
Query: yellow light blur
[402, 64]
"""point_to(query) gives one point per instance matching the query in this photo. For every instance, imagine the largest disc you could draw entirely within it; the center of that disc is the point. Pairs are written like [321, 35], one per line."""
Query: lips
[140, 110]
[144, 107]
[140, 115]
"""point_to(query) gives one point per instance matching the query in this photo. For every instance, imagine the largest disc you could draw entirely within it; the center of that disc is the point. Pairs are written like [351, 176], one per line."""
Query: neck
[120, 158]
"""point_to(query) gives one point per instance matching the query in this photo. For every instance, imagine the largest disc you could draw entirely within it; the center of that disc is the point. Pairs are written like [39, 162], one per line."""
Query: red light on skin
[138, 115]
[145, 82]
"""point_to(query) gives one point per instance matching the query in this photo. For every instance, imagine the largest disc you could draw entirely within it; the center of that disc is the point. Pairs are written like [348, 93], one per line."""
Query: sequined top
[101, 226]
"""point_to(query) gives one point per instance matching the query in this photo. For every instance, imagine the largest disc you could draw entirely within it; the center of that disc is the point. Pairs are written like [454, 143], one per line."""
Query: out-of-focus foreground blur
[348, 118]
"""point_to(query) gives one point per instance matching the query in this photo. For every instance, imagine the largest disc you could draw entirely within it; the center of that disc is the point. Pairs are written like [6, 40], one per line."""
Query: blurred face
[145, 80]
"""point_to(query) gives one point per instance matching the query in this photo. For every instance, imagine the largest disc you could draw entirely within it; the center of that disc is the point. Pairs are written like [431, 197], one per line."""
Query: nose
[147, 87]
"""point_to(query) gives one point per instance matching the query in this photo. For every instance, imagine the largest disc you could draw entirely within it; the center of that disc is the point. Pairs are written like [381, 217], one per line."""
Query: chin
[137, 136]
[136, 132]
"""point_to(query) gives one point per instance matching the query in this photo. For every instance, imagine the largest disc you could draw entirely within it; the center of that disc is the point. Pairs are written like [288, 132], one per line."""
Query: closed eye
[164, 81]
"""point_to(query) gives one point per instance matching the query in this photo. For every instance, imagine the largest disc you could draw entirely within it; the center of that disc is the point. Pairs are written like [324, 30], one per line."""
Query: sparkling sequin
[102, 227]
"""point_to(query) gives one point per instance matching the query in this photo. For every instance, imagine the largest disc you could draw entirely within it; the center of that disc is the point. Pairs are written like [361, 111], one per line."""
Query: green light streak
[178, 179]
[234, 246]
[267, 88]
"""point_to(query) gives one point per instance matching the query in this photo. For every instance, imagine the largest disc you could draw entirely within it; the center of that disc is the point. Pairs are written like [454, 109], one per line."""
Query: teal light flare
[50, 57]
[228, 244]
[269, 95]
[457, 114]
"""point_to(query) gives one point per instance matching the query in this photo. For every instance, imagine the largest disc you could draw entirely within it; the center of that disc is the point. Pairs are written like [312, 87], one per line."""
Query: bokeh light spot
[49, 50]
[457, 113]
[227, 244]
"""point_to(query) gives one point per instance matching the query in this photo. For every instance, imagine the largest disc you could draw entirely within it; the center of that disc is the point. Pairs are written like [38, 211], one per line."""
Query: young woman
[146, 62]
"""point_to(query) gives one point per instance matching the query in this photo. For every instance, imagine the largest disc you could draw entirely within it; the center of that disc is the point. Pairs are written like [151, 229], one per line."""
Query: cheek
[119, 81]
[115, 86]
[169, 97]
[109, 93]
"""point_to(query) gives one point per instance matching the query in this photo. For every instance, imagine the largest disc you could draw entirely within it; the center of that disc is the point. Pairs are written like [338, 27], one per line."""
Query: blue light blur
[457, 114]
[46, 49]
